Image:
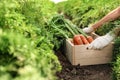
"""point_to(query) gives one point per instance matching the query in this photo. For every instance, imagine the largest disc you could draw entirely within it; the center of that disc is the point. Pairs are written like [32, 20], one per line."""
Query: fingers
[88, 29]
[85, 30]
[94, 45]
[97, 44]
[98, 47]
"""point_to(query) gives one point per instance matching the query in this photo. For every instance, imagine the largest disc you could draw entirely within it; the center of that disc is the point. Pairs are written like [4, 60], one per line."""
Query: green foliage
[86, 12]
[8, 15]
[22, 59]
[116, 64]
[26, 51]
[37, 10]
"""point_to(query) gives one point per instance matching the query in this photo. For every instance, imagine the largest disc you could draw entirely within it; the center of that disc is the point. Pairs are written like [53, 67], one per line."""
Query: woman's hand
[101, 41]
[88, 29]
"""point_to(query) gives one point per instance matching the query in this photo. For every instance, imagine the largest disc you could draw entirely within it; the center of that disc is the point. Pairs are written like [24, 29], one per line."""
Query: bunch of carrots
[81, 39]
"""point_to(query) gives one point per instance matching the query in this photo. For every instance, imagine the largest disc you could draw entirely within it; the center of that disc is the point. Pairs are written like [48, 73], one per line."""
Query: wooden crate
[78, 54]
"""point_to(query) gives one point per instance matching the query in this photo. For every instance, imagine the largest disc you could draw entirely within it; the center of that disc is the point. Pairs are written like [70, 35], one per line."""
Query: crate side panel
[83, 48]
[93, 61]
[69, 51]
[82, 52]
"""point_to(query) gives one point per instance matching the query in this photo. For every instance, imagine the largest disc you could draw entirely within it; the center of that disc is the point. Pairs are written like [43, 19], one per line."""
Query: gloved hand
[102, 41]
[88, 29]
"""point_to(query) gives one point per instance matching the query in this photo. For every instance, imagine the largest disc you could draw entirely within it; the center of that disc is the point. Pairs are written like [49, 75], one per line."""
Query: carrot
[84, 40]
[89, 39]
[77, 40]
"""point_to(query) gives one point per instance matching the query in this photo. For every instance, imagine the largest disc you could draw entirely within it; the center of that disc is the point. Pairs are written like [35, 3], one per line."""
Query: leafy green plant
[26, 52]
[116, 59]
[22, 59]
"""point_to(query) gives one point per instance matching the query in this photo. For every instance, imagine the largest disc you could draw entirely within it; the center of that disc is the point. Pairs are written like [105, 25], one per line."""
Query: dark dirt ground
[93, 72]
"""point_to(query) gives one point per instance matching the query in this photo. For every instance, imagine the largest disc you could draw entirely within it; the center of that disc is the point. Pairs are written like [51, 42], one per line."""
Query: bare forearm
[109, 17]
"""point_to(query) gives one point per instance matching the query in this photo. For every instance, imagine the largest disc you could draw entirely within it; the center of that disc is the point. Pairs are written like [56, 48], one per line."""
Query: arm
[103, 41]
[109, 17]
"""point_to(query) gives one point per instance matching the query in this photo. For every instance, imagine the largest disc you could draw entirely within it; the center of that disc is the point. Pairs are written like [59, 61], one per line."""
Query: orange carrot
[77, 40]
[84, 40]
[89, 39]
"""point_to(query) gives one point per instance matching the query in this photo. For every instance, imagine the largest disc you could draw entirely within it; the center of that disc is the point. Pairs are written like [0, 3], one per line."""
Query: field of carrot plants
[32, 36]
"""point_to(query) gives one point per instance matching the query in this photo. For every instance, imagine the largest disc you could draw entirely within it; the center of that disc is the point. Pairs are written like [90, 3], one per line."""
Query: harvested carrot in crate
[89, 39]
[77, 40]
[84, 39]
[81, 39]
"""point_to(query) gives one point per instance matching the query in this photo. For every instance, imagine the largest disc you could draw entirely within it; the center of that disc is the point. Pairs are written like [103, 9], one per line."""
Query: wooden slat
[93, 54]
[92, 61]
[69, 51]
[83, 48]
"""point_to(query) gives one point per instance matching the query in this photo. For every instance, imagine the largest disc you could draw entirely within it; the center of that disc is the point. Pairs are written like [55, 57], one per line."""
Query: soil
[93, 72]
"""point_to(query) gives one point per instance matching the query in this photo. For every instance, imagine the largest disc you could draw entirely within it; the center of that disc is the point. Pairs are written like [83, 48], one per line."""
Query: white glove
[88, 29]
[102, 41]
